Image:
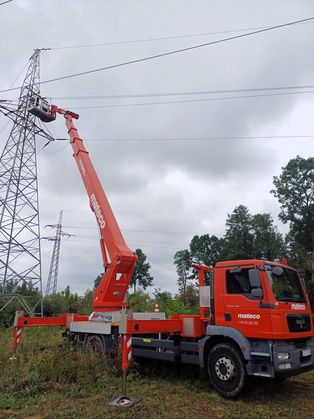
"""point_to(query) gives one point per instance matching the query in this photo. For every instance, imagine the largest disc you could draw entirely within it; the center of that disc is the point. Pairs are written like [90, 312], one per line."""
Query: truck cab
[263, 308]
[253, 295]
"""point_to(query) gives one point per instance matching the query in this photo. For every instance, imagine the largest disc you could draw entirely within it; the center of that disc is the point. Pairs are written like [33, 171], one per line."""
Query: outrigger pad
[124, 401]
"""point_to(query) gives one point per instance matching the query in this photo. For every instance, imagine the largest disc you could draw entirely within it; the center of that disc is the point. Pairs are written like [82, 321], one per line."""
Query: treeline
[53, 305]
[250, 236]
[68, 302]
[247, 237]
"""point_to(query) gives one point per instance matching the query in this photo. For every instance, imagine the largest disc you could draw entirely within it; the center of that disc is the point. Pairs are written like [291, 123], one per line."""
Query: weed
[51, 381]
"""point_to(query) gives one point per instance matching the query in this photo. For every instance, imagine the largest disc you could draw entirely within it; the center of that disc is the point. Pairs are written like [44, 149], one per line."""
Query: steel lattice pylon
[20, 256]
[51, 287]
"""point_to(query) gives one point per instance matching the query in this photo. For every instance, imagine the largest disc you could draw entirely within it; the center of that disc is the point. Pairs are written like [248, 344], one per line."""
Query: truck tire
[103, 345]
[226, 370]
[95, 343]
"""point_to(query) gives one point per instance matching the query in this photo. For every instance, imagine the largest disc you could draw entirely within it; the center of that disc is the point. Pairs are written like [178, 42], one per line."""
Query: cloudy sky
[162, 192]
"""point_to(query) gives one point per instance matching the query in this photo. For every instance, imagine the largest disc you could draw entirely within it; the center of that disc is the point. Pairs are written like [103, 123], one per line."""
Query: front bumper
[300, 357]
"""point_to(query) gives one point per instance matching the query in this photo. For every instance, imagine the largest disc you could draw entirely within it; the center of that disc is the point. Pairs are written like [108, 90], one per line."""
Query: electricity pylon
[20, 254]
[51, 287]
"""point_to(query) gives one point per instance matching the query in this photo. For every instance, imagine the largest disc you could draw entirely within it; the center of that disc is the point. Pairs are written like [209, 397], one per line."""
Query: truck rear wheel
[96, 344]
[104, 345]
[226, 370]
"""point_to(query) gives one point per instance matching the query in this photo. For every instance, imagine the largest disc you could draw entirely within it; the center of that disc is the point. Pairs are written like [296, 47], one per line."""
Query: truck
[254, 318]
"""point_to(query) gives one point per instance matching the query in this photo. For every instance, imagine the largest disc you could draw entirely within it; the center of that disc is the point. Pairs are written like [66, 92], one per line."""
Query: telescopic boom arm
[119, 261]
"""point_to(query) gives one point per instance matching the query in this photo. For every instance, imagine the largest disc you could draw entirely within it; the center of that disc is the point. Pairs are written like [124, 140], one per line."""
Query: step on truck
[254, 319]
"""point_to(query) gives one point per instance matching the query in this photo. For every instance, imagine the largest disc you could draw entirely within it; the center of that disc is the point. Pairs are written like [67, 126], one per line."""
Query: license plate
[306, 352]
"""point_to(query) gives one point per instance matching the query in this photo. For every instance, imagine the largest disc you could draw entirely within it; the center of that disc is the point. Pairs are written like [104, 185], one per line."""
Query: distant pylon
[51, 287]
[20, 255]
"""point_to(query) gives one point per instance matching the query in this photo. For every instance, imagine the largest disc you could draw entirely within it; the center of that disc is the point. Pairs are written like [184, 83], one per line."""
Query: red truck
[255, 317]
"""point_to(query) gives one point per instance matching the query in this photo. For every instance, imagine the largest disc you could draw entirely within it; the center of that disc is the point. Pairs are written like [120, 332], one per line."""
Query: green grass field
[48, 380]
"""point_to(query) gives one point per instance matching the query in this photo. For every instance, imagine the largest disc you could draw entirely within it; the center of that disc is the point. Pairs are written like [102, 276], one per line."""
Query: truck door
[246, 303]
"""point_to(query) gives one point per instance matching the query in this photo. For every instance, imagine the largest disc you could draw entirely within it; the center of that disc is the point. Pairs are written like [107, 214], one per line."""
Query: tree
[294, 189]
[97, 280]
[140, 301]
[30, 294]
[239, 237]
[191, 297]
[86, 302]
[141, 276]
[183, 262]
[206, 249]
[169, 304]
[55, 304]
[268, 242]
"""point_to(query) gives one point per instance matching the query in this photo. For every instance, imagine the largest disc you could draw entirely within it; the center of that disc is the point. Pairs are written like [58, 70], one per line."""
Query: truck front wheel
[226, 370]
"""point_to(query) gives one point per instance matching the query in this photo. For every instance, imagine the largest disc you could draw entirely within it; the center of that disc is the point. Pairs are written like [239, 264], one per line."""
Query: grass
[49, 381]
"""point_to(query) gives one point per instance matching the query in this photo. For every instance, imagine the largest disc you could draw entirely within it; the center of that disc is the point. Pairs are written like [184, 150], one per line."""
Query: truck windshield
[286, 286]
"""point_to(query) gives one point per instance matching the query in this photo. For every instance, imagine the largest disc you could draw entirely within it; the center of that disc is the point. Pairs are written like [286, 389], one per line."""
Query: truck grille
[299, 322]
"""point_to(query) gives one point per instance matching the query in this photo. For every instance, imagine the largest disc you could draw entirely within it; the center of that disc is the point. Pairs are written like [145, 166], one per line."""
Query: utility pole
[51, 287]
[20, 253]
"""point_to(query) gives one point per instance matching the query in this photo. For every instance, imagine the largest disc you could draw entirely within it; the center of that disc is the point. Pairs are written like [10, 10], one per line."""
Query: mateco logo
[97, 210]
[249, 316]
[297, 307]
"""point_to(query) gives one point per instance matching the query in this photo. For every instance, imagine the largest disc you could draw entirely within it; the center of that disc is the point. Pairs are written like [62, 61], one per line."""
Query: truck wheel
[96, 344]
[226, 370]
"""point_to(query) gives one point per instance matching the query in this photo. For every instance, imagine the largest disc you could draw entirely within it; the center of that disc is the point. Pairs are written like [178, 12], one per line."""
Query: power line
[150, 211]
[172, 52]
[15, 80]
[160, 38]
[131, 245]
[95, 239]
[186, 93]
[123, 105]
[135, 231]
[4, 2]
[177, 51]
[264, 137]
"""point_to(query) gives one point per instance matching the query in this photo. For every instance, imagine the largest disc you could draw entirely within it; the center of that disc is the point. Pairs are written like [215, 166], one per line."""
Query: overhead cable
[261, 137]
[169, 102]
[172, 52]
[160, 38]
[4, 2]
[184, 93]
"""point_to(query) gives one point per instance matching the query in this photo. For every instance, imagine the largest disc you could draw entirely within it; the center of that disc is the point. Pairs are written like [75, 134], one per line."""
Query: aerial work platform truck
[254, 319]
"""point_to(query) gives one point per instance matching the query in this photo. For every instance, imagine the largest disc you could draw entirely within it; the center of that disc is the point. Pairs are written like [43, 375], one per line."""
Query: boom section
[119, 261]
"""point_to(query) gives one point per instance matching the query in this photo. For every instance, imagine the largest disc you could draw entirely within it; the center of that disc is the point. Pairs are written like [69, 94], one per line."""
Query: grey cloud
[209, 176]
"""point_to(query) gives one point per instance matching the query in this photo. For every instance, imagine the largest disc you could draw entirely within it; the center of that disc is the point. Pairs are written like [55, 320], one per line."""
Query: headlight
[283, 356]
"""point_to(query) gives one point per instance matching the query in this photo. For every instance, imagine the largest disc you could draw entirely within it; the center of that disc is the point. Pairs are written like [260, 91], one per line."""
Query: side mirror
[277, 270]
[254, 278]
[257, 293]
